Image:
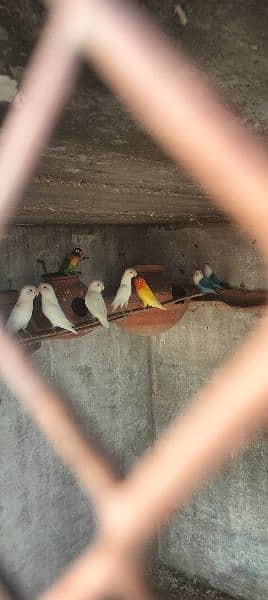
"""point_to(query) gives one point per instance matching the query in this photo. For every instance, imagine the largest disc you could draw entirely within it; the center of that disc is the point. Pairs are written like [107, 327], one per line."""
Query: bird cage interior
[130, 286]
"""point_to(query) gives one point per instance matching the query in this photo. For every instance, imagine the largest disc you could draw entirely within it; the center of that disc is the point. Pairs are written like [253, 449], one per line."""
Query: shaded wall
[45, 519]
[125, 390]
[221, 535]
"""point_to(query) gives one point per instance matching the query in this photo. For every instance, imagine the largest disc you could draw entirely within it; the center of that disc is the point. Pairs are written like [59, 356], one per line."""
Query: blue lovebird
[202, 283]
[212, 278]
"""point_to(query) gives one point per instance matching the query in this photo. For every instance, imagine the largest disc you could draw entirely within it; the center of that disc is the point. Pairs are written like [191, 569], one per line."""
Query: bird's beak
[37, 292]
[85, 257]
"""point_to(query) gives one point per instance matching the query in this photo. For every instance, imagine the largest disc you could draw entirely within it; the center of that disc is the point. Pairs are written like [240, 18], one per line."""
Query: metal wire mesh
[163, 90]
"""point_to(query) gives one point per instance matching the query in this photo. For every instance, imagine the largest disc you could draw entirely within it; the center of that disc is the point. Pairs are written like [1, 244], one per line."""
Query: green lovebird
[71, 262]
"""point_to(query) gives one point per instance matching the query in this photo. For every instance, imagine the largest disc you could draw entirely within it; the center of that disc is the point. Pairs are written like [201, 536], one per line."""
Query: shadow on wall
[8, 586]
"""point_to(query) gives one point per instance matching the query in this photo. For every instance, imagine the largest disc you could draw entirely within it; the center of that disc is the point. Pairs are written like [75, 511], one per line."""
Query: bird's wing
[216, 282]
[55, 314]
[206, 282]
[122, 295]
[142, 296]
[208, 289]
[11, 323]
[97, 307]
[65, 264]
[151, 299]
[117, 299]
[95, 303]
[151, 296]
[19, 316]
[101, 306]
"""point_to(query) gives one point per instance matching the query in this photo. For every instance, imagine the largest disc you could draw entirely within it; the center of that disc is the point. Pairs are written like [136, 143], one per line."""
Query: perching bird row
[21, 314]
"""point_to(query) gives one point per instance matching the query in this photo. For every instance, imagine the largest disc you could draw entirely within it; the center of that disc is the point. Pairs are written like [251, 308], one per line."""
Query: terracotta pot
[70, 292]
[153, 321]
[243, 299]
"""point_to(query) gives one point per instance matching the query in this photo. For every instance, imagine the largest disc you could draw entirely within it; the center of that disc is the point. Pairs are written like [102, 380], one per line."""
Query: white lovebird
[52, 310]
[95, 303]
[22, 311]
[124, 291]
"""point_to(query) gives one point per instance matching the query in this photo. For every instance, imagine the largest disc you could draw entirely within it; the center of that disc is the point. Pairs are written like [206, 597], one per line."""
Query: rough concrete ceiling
[100, 166]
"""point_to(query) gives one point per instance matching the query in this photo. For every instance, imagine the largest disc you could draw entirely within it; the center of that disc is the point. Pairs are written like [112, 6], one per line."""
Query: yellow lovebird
[146, 295]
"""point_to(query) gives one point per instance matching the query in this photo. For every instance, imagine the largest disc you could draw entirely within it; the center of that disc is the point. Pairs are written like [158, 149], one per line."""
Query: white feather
[95, 303]
[198, 276]
[22, 311]
[207, 270]
[124, 291]
[52, 310]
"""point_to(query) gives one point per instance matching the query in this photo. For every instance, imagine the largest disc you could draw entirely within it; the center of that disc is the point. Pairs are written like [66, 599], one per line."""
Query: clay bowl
[149, 322]
[247, 300]
[243, 299]
[153, 321]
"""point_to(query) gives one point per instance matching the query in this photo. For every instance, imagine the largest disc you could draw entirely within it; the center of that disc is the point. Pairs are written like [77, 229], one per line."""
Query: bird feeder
[148, 322]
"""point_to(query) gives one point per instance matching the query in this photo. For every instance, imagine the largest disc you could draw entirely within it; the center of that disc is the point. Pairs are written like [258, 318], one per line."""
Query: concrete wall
[221, 535]
[126, 390]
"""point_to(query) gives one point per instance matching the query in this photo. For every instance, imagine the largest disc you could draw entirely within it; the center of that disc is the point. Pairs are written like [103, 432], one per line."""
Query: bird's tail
[159, 305]
[70, 327]
[115, 305]
[104, 321]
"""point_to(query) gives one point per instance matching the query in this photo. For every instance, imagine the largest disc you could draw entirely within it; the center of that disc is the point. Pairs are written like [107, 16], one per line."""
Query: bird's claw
[27, 333]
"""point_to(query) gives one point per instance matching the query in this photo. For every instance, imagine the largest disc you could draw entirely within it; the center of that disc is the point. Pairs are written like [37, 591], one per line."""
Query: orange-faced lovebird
[146, 295]
[71, 262]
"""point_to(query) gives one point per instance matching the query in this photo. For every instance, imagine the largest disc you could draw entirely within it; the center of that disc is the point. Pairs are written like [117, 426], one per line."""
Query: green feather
[66, 267]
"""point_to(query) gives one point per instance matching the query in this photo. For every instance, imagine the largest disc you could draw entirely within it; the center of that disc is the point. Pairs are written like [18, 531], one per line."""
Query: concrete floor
[168, 585]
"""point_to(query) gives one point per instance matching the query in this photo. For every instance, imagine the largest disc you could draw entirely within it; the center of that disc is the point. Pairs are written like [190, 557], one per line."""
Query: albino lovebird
[52, 310]
[124, 291]
[146, 295]
[212, 278]
[95, 303]
[22, 311]
[202, 283]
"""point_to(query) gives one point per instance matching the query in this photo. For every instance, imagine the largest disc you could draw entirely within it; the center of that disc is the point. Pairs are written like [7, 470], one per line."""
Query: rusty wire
[169, 97]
